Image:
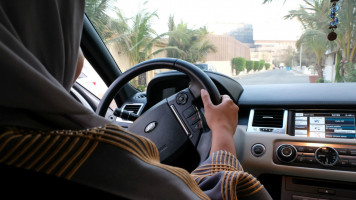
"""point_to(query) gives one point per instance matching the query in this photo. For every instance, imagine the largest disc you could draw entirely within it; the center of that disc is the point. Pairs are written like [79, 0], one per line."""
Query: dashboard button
[266, 129]
[301, 148]
[352, 163]
[342, 151]
[343, 162]
[311, 149]
[309, 160]
[299, 159]
[258, 150]
[353, 152]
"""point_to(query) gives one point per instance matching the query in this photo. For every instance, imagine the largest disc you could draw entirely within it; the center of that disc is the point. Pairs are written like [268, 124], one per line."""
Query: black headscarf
[39, 43]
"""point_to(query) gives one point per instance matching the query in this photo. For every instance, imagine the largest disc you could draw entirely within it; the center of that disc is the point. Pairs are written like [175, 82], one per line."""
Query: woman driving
[44, 129]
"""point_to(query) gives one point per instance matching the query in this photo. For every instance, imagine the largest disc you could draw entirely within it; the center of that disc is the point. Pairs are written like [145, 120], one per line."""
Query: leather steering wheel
[174, 121]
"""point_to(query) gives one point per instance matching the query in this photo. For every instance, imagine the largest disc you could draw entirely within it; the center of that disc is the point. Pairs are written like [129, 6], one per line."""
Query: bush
[256, 65]
[261, 64]
[239, 64]
[267, 65]
[320, 80]
[249, 65]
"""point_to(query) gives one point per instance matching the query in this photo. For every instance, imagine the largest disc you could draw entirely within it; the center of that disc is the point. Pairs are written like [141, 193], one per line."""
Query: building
[244, 34]
[227, 48]
[270, 50]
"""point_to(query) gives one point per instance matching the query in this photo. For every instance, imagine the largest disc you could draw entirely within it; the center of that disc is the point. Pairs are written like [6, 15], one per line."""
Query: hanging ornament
[334, 20]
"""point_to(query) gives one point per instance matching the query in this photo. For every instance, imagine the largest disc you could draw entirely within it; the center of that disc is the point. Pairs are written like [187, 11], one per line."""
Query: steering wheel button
[193, 119]
[182, 98]
[189, 112]
[196, 127]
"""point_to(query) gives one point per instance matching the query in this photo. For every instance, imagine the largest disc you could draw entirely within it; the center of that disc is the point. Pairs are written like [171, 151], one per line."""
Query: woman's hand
[222, 120]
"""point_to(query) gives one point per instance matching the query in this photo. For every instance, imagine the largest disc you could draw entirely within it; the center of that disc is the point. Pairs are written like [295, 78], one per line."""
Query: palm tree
[346, 40]
[317, 41]
[188, 44]
[106, 27]
[137, 38]
[314, 18]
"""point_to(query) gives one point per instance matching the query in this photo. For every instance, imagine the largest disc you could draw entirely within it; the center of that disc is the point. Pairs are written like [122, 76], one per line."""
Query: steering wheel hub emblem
[150, 127]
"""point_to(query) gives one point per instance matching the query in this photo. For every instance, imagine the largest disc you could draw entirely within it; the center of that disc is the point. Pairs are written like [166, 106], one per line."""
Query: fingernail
[203, 91]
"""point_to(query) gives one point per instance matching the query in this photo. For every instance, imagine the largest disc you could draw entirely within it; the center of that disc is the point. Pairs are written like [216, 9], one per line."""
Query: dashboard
[300, 137]
[288, 136]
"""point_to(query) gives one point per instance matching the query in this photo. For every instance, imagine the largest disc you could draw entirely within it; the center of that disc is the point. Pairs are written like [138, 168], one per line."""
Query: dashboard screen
[325, 125]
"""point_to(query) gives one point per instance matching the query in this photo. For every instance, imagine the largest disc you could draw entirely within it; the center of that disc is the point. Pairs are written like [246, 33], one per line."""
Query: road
[278, 76]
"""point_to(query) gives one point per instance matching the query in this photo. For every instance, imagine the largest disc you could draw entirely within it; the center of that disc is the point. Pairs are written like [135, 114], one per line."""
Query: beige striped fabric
[222, 171]
[62, 152]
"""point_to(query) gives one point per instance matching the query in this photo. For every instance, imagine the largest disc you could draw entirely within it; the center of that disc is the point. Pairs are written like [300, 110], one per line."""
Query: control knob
[286, 153]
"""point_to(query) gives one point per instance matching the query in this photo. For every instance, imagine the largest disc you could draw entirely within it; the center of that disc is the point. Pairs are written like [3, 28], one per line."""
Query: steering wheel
[174, 121]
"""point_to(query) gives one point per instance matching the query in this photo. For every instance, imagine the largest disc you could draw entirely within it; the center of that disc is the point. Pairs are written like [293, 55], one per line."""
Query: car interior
[273, 140]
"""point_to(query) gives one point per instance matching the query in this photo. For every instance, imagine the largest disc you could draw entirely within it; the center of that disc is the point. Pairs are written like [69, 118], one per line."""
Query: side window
[91, 81]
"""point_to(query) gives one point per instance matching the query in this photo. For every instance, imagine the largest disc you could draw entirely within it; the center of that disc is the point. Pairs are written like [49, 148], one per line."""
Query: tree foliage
[239, 64]
[249, 65]
[338, 77]
[256, 65]
[188, 44]
[261, 64]
[315, 17]
[267, 65]
[106, 27]
[317, 41]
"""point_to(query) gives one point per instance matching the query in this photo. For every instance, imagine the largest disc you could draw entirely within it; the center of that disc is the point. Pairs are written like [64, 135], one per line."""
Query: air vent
[141, 96]
[135, 108]
[268, 118]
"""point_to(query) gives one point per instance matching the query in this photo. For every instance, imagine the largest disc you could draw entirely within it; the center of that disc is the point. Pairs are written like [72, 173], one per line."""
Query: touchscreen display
[325, 125]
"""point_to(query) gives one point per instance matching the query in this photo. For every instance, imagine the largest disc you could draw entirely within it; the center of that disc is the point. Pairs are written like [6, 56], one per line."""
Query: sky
[222, 16]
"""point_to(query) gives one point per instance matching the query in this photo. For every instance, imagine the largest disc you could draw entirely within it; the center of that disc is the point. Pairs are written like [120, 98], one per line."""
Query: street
[278, 76]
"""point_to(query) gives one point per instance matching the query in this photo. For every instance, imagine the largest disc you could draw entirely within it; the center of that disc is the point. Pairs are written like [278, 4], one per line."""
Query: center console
[318, 124]
[313, 152]
[315, 155]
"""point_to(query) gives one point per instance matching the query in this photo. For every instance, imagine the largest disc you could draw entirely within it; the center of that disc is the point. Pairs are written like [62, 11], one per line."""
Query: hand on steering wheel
[176, 120]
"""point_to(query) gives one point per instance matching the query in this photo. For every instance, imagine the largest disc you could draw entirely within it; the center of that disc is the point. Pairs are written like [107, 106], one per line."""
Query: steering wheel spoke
[183, 106]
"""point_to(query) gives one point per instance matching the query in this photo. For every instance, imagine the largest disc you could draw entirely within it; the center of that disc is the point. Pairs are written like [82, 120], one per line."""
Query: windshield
[254, 42]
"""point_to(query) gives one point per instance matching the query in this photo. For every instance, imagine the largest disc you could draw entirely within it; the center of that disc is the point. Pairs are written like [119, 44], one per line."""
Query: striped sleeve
[221, 176]
[62, 153]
